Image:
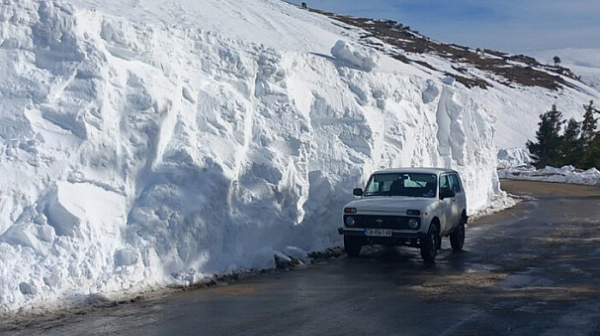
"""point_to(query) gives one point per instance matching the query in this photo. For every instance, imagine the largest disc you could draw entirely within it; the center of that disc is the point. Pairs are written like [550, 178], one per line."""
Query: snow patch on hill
[137, 155]
[583, 62]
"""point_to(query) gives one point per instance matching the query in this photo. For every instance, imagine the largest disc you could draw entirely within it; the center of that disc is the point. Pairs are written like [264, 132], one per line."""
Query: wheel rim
[433, 242]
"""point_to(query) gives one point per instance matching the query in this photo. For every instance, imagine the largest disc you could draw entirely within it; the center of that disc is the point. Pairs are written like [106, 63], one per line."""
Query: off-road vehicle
[410, 206]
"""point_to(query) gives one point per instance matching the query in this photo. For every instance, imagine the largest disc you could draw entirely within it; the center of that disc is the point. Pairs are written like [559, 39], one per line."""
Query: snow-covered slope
[583, 62]
[151, 143]
[148, 143]
[516, 89]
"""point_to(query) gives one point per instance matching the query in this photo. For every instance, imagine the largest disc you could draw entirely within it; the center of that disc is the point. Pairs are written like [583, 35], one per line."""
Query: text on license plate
[378, 232]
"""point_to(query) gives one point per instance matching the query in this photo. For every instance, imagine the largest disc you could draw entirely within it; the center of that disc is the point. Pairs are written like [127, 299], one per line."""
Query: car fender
[431, 212]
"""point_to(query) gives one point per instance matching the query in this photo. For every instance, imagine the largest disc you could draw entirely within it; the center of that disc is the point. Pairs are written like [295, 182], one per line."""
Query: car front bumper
[395, 234]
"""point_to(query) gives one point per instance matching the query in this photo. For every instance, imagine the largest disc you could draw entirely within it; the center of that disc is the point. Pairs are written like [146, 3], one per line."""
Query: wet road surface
[530, 270]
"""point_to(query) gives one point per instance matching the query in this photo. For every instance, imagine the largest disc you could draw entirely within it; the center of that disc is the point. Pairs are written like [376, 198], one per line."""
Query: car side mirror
[358, 192]
[447, 194]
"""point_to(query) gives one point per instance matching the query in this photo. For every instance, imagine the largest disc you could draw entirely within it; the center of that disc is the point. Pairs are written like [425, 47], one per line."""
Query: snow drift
[566, 174]
[514, 157]
[363, 58]
[136, 155]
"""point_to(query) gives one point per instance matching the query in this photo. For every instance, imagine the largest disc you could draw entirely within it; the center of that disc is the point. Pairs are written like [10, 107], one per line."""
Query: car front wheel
[429, 245]
[352, 245]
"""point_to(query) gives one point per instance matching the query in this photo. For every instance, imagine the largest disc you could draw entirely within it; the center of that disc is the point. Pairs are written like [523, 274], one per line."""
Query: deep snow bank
[513, 157]
[566, 174]
[139, 155]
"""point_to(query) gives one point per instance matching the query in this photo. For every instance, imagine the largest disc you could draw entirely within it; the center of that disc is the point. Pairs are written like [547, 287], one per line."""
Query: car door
[458, 201]
[445, 205]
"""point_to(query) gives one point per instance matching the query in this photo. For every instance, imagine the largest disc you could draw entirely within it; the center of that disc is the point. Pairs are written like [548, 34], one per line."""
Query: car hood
[386, 204]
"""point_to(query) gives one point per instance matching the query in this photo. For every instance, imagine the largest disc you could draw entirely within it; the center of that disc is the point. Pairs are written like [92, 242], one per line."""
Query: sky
[505, 25]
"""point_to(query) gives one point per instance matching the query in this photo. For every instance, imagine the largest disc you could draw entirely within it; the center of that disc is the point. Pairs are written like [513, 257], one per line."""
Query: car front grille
[381, 222]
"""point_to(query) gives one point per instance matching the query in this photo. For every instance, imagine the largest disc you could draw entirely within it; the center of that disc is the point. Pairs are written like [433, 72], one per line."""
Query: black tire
[429, 245]
[352, 245]
[457, 238]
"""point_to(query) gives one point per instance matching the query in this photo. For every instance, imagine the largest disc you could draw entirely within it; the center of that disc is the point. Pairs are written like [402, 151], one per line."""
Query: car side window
[444, 183]
[455, 183]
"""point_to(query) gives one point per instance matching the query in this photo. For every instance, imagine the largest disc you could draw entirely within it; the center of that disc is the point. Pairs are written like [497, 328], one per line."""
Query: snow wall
[136, 156]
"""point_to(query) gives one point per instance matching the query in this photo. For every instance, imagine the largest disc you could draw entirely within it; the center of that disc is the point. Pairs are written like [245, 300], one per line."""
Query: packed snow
[514, 157]
[566, 174]
[153, 144]
[363, 58]
[147, 144]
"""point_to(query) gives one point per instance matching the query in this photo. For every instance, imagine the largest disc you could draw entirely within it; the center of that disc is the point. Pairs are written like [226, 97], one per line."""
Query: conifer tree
[589, 124]
[593, 155]
[572, 149]
[590, 140]
[547, 150]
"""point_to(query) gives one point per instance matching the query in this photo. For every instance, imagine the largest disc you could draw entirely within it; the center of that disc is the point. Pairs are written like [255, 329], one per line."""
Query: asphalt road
[530, 270]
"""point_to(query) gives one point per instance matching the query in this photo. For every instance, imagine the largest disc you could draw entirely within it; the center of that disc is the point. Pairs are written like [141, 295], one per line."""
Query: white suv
[412, 206]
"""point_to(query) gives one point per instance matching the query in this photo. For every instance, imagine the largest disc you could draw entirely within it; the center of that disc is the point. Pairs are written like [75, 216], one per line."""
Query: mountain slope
[584, 62]
[515, 88]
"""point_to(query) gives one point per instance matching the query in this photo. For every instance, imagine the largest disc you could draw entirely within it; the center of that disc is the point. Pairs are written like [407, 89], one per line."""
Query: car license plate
[378, 232]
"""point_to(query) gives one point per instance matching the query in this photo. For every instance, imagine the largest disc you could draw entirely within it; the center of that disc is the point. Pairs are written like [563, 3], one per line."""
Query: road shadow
[377, 258]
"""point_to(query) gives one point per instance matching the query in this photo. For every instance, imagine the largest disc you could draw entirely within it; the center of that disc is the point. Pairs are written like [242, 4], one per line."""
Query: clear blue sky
[506, 25]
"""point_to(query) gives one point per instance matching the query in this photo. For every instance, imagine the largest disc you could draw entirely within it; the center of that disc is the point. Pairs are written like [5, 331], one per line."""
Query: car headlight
[350, 221]
[413, 223]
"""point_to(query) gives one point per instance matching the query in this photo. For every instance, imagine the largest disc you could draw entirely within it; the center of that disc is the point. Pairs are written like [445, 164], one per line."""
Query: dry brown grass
[528, 72]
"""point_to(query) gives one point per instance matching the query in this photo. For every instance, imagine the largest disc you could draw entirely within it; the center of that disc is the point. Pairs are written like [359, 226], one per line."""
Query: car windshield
[402, 184]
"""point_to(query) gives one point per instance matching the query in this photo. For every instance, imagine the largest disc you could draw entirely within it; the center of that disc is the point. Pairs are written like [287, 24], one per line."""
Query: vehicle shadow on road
[408, 259]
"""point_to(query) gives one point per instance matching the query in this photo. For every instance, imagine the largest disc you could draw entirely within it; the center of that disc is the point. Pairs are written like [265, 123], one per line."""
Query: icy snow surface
[513, 157]
[566, 174]
[151, 143]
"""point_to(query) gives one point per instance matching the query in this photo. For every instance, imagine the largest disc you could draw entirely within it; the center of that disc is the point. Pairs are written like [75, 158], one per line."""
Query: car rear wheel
[457, 238]
[352, 245]
[429, 245]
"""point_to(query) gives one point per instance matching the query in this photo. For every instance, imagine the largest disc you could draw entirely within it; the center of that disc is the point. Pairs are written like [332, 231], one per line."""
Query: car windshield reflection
[402, 184]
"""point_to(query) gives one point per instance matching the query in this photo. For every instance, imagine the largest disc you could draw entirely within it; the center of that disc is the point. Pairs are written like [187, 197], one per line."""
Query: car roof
[423, 170]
